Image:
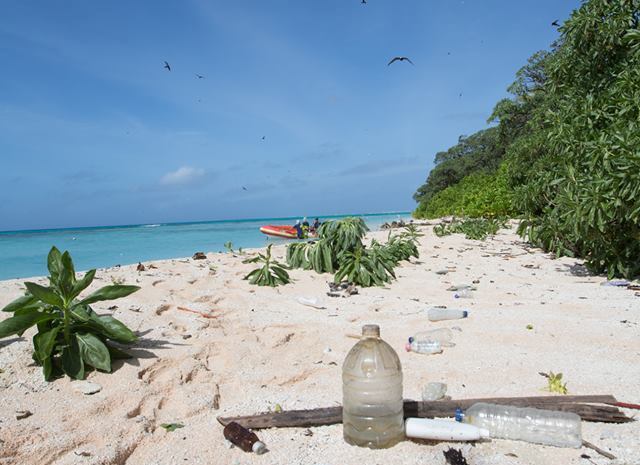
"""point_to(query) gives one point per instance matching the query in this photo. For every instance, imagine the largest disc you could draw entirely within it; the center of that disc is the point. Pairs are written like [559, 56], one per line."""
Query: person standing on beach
[298, 228]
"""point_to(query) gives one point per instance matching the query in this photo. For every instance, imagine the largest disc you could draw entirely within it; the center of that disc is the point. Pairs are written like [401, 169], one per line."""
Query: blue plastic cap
[465, 314]
[411, 339]
[459, 414]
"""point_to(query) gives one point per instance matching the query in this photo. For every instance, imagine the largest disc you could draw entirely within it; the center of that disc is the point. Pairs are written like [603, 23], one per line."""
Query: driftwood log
[581, 405]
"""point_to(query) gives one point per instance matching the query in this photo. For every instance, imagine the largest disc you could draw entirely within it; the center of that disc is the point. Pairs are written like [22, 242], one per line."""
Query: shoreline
[263, 348]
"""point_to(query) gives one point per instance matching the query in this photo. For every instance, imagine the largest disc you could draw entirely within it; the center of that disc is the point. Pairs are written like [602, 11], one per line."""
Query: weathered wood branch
[581, 405]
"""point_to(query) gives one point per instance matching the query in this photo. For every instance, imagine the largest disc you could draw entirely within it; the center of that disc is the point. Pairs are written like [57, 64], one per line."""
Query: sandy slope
[266, 349]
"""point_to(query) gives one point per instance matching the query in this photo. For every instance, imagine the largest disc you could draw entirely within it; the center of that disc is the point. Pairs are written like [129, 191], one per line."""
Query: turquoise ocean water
[23, 253]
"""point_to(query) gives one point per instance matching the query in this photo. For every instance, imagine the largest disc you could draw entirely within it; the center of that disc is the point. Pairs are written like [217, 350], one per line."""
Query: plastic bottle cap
[407, 347]
[484, 433]
[411, 339]
[459, 414]
[259, 447]
[371, 330]
[465, 313]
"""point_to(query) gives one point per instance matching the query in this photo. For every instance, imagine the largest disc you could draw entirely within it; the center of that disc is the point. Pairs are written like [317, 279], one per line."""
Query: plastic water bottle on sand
[439, 314]
[423, 347]
[561, 429]
[442, 335]
[372, 407]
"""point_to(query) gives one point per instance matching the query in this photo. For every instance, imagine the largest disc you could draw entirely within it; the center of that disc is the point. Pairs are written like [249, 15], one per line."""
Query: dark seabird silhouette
[244, 188]
[199, 76]
[399, 59]
[555, 23]
[166, 65]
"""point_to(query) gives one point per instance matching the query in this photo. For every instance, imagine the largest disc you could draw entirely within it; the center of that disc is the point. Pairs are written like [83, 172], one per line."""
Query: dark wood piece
[333, 415]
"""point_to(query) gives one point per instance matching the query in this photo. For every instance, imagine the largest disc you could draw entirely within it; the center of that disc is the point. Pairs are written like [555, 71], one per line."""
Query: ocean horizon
[23, 253]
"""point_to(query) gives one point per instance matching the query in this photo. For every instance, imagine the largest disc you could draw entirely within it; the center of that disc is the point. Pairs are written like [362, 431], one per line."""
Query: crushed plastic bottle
[423, 347]
[553, 428]
[434, 391]
[463, 294]
[442, 335]
[373, 408]
[443, 430]
[439, 314]
[311, 302]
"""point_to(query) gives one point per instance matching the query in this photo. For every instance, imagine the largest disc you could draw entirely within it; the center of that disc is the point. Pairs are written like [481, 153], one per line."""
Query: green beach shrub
[71, 337]
[472, 228]
[340, 250]
[272, 273]
[477, 195]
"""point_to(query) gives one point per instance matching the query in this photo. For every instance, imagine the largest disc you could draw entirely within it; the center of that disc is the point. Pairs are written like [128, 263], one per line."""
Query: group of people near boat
[304, 229]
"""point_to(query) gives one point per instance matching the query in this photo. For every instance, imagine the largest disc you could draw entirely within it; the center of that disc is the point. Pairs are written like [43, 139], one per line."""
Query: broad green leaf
[113, 328]
[54, 264]
[67, 278]
[45, 294]
[18, 324]
[115, 291]
[45, 342]
[83, 283]
[81, 313]
[94, 352]
[72, 363]
[26, 301]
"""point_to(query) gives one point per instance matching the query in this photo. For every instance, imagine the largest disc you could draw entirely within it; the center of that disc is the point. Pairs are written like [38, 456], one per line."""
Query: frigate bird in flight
[394, 59]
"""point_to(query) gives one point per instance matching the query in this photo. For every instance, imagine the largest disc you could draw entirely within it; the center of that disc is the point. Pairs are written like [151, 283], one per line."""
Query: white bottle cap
[259, 447]
[484, 433]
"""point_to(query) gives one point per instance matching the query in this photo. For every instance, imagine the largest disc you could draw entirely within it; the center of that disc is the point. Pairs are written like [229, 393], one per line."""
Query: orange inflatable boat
[288, 232]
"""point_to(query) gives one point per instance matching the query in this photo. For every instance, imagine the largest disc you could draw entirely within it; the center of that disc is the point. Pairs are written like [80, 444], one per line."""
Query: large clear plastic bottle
[553, 428]
[372, 407]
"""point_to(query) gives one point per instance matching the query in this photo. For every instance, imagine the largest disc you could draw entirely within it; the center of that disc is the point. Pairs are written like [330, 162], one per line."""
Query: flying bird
[263, 137]
[555, 23]
[244, 188]
[399, 59]
[199, 76]
[364, 2]
[166, 65]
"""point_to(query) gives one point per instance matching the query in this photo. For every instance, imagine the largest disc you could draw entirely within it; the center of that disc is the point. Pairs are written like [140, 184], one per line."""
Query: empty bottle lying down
[549, 427]
[439, 314]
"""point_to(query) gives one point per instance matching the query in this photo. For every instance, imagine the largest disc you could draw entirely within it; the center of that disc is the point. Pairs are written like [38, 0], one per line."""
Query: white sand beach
[264, 348]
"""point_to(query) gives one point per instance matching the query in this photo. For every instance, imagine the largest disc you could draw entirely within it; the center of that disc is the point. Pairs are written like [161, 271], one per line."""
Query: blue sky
[94, 131]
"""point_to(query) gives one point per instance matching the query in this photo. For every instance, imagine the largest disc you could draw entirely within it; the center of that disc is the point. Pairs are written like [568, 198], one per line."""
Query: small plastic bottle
[373, 408]
[439, 314]
[442, 335]
[423, 347]
[243, 438]
[553, 428]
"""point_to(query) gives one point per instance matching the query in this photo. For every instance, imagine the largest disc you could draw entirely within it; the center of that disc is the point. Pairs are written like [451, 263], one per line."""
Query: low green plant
[472, 228]
[555, 384]
[342, 235]
[365, 267]
[170, 427]
[71, 337]
[229, 246]
[272, 273]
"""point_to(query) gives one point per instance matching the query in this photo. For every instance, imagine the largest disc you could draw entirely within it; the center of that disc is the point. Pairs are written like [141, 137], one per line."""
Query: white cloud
[183, 176]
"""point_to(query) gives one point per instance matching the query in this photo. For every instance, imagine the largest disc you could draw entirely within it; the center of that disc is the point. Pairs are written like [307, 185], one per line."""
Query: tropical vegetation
[340, 249]
[71, 337]
[564, 151]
